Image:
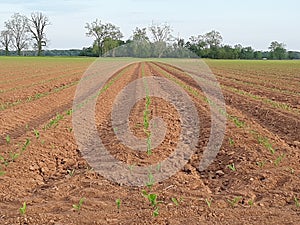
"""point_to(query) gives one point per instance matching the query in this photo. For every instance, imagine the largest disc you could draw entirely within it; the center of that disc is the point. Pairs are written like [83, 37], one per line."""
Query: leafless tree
[36, 25]
[161, 35]
[5, 40]
[18, 29]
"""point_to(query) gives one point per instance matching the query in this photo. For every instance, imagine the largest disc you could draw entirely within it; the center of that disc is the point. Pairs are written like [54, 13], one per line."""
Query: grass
[8, 139]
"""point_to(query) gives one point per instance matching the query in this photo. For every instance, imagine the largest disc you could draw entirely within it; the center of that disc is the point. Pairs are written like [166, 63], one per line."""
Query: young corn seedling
[71, 172]
[118, 202]
[7, 139]
[232, 167]
[152, 198]
[208, 202]
[25, 145]
[4, 161]
[234, 201]
[231, 142]
[13, 156]
[250, 202]
[175, 201]
[296, 202]
[36, 133]
[79, 205]
[151, 181]
[279, 159]
[23, 209]
[261, 164]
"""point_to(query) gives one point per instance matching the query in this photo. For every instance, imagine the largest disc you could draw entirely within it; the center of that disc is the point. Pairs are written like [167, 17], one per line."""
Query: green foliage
[36, 133]
[231, 142]
[151, 181]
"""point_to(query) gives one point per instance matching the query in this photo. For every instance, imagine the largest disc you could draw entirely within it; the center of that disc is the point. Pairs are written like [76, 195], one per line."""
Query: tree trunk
[39, 48]
[6, 51]
[19, 52]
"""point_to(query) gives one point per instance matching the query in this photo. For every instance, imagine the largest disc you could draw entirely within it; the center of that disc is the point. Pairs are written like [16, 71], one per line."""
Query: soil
[51, 175]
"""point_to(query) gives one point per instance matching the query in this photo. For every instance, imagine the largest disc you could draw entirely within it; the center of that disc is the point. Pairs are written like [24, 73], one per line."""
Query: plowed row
[51, 175]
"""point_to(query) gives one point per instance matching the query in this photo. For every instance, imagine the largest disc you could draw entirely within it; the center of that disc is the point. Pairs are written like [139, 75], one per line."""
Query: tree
[277, 50]
[214, 40]
[18, 28]
[5, 40]
[161, 35]
[36, 25]
[102, 32]
[140, 34]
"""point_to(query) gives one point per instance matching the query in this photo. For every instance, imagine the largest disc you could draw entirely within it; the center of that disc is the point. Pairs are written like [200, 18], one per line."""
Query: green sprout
[23, 209]
[36, 133]
[118, 202]
[208, 202]
[279, 159]
[8, 139]
[232, 167]
[231, 142]
[174, 200]
[79, 205]
[234, 201]
[296, 202]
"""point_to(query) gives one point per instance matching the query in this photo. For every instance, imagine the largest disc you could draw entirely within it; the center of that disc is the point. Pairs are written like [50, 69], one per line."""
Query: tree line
[156, 40]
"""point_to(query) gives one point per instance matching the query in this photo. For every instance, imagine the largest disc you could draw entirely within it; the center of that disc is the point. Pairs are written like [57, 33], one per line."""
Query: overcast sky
[251, 23]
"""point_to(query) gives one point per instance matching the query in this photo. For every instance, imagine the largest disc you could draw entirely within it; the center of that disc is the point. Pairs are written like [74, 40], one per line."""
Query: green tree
[277, 50]
[102, 32]
[214, 40]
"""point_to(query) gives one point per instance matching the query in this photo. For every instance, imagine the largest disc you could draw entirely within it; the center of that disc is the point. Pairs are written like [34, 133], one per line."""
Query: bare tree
[36, 25]
[5, 40]
[161, 35]
[17, 27]
[102, 32]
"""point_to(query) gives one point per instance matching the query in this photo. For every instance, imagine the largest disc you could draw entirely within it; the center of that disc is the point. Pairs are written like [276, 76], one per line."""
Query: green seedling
[7, 139]
[266, 143]
[279, 159]
[208, 202]
[296, 202]
[151, 181]
[250, 202]
[234, 201]
[231, 142]
[118, 202]
[70, 129]
[69, 112]
[36, 133]
[232, 167]
[23, 209]
[4, 161]
[175, 201]
[261, 164]
[25, 145]
[158, 167]
[156, 212]
[71, 172]
[14, 156]
[79, 205]
[2, 173]
[42, 142]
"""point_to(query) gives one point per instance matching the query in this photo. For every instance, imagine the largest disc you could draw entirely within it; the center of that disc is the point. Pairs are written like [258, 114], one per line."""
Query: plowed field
[254, 179]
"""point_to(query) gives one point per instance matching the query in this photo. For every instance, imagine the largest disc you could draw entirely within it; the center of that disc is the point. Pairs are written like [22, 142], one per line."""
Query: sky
[253, 23]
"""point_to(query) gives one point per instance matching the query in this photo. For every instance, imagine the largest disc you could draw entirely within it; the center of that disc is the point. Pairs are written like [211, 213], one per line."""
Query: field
[254, 178]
